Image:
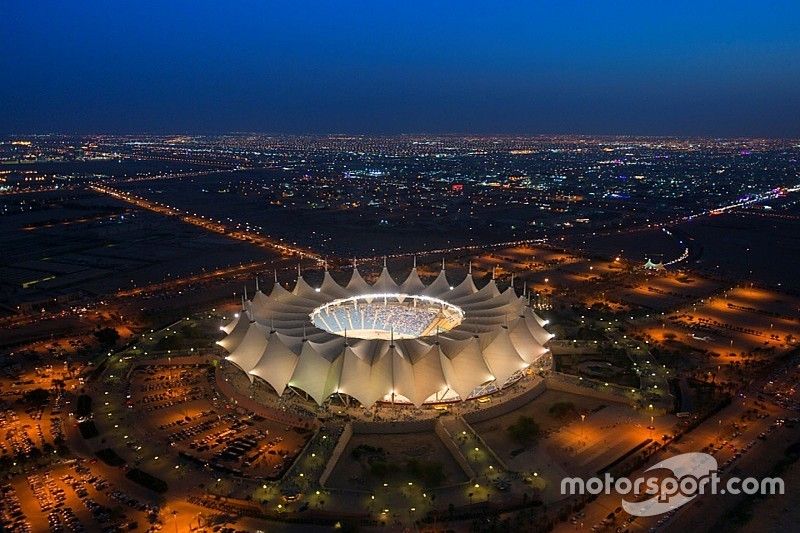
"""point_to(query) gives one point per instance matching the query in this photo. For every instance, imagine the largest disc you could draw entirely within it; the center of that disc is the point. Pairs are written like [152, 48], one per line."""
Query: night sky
[685, 68]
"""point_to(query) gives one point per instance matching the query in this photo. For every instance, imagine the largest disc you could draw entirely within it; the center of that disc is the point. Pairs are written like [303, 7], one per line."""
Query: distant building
[649, 265]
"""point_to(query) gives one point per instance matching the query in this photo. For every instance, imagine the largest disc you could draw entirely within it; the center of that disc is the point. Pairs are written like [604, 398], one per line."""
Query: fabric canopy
[274, 340]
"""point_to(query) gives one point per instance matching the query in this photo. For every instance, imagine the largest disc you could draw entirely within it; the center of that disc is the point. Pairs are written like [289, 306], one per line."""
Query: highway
[215, 226]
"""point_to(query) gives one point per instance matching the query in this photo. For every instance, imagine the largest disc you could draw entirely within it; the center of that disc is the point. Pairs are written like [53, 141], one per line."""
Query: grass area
[376, 463]
[611, 365]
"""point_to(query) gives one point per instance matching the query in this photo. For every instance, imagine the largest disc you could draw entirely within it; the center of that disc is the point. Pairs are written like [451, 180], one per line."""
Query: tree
[379, 469]
[563, 410]
[431, 473]
[107, 336]
[525, 430]
[36, 397]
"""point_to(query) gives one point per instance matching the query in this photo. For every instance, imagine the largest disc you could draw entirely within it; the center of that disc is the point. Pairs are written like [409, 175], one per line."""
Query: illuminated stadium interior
[386, 316]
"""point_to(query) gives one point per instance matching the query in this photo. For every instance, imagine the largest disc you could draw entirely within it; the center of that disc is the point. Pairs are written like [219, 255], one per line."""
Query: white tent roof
[250, 350]
[402, 374]
[428, 376]
[359, 381]
[524, 342]
[331, 289]
[232, 340]
[539, 333]
[279, 292]
[259, 303]
[412, 284]
[539, 320]
[315, 375]
[357, 285]
[465, 369]
[277, 364]
[304, 290]
[502, 357]
[385, 283]
[497, 337]
[439, 287]
[227, 328]
[465, 288]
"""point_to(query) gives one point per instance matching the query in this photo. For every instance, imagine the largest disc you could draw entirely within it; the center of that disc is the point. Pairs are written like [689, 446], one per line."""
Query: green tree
[37, 397]
[563, 410]
[431, 473]
[525, 430]
[107, 336]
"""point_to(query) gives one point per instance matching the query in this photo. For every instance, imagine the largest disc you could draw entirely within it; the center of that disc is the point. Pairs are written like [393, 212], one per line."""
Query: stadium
[387, 316]
[402, 343]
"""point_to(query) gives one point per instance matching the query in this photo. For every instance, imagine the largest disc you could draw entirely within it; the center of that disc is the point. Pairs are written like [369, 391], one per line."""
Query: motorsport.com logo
[692, 474]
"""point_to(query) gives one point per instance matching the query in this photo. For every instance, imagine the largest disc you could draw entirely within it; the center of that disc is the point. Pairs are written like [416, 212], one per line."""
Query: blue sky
[686, 68]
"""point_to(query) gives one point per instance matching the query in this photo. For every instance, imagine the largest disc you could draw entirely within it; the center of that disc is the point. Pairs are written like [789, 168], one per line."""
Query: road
[214, 226]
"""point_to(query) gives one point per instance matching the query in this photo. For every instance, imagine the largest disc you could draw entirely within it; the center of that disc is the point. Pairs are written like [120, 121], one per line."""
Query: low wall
[447, 440]
[554, 382]
[341, 445]
[170, 361]
[290, 419]
[573, 348]
[297, 457]
[486, 446]
[388, 428]
[506, 406]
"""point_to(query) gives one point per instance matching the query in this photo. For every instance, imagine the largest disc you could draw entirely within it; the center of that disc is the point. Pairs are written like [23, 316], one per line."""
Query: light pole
[583, 426]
